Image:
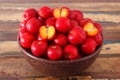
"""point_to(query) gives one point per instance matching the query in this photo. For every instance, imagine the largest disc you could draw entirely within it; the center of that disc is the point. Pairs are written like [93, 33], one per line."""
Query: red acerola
[45, 12]
[76, 35]
[29, 13]
[89, 46]
[70, 52]
[39, 47]
[26, 40]
[61, 40]
[33, 25]
[54, 52]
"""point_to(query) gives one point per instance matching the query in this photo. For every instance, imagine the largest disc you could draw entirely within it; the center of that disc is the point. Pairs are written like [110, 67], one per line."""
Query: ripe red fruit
[27, 39]
[98, 39]
[50, 21]
[23, 24]
[74, 23]
[21, 32]
[39, 47]
[98, 26]
[89, 46]
[29, 13]
[61, 40]
[84, 21]
[45, 12]
[76, 35]
[54, 52]
[33, 25]
[70, 52]
[63, 24]
[76, 15]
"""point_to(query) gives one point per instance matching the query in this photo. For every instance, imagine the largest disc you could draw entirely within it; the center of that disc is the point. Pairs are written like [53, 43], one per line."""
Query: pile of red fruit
[59, 33]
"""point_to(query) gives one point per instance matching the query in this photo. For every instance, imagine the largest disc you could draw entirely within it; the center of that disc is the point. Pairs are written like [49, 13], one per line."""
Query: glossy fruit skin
[33, 25]
[84, 21]
[27, 39]
[70, 52]
[61, 40]
[76, 35]
[74, 23]
[45, 12]
[50, 21]
[21, 32]
[98, 26]
[76, 15]
[89, 46]
[29, 13]
[63, 25]
[98, 39]
[54, 52]
[39, 48]
[23, 24]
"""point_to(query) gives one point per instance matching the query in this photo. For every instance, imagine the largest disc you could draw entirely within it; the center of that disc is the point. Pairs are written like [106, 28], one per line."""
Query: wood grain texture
[50, 1]
[18, 67]
[16, 16]
[87, 6]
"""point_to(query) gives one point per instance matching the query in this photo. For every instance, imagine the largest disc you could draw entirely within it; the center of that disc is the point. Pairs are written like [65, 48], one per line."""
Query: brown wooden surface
[13, 66]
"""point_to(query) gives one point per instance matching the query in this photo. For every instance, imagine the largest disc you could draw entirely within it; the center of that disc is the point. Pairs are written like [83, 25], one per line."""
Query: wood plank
[18, 67]
[50, 78]
[108, 50]
[84, 6]
[111, 16]
[50, 1]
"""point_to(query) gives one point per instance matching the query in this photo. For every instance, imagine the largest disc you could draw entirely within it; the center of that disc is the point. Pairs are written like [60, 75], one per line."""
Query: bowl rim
[59, 61]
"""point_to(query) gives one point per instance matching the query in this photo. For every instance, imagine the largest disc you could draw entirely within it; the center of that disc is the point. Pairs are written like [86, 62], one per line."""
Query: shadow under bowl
[60, 68]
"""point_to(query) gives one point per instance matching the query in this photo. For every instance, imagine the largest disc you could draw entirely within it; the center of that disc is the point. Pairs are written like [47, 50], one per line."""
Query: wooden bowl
[60, 68]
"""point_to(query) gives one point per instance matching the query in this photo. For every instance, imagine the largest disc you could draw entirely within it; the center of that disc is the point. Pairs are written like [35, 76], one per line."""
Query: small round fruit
[23, 24]
[74, 23]
[54, 52]
[83, 22]
[50, 21]
[21, 32]
[76, 15]
[26, 40]
[63, 24]
[70, 52]
[45, 12]
[89, 46]
[29, 13]
[76, 35]
[33, 25]
[98, 39]
[39, 47]
[98, 26]
[61, 40]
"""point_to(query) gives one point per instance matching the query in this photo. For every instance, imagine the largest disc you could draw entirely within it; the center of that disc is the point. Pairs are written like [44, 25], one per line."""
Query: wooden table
[14, 67]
